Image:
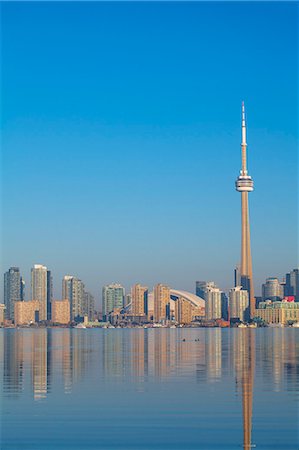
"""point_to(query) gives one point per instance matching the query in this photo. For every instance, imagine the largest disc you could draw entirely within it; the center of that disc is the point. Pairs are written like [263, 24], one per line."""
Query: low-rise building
[61, 312]
[2, 311]
[26, 312]
[278, 312]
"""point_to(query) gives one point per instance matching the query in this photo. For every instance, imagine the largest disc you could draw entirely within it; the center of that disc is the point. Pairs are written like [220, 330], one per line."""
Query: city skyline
[131, 178]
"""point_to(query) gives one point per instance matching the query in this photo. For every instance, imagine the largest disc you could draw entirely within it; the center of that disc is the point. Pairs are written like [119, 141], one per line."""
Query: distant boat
[80, 325]
[295, 325]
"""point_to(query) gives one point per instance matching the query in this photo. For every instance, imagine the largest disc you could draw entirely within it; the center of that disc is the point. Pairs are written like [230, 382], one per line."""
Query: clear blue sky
[121, 139]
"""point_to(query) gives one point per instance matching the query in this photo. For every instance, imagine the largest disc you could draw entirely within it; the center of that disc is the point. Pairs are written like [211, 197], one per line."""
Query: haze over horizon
[121, 131]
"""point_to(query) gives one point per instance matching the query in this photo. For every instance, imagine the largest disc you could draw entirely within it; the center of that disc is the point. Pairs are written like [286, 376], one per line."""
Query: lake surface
[149, 389]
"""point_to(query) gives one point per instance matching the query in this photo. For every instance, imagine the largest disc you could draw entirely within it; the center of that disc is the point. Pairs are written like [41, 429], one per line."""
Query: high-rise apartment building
[292, 284]
[272, 290]
[13, 290]
[161, 303]
[183, 311]
[244, 184]
[239, 304]
[41, 290]
[73, 291]
[139, 300]
[112, 298]
[201, 286]
[212, 297]
[89, 306]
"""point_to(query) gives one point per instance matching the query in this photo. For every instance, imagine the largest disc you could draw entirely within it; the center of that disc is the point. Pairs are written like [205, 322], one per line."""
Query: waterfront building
[112, 298]
[61, 312]
[202, 285]
[13, 290]
[183, 311]
[272, 290]
[89, 306]
[27, 312]
[41, 290]
[278, 312]
[212, 297]
[239, 304]
[161, 303]
[292, 284]
[2, 313]
[73, 290]
[224, 306]
[244, 184]
[139, 295]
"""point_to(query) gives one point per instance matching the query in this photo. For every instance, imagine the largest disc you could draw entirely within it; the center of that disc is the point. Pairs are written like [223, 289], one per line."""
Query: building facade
[139, 296]
[89, 306]
[112, 298]
[212, 297]
[73, 291]
[161, 303]
[2, 313]
[13, 290]
[27, 313]
[61, 312]
[277, 312]
[292, 284]
[272, 290]
[41, 290]
[183, 311]
[239, 304]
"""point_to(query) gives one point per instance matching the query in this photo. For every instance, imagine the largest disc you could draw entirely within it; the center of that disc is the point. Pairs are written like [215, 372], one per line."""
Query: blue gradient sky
[121, 139]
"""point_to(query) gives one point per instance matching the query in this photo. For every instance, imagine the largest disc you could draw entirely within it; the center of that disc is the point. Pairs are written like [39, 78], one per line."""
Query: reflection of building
[244, 184]
[13, 360]
[272, 290]
[139, 300]
[41, 290]
[61, 312]
[27, 312]
[161, 302]
[278, 312]
[112, 298]
[238, 303]
[213, 351]
[13, 290]
[39, 363]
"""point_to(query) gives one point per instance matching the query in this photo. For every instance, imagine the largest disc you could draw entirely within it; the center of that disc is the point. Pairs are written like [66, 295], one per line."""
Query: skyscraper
[73, 291]
[161, 302]
[244, 184]
[112, 298]
[239, 304]
[212, 297]
[292, 283]
[139, 300]
[13, 290]
[272, 290]
[41, 290]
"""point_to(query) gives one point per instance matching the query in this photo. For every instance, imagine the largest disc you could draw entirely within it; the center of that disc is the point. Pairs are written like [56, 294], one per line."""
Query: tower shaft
[244, 184]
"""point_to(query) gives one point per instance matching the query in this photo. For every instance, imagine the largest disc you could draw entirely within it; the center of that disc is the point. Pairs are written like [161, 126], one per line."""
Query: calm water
[149, 389]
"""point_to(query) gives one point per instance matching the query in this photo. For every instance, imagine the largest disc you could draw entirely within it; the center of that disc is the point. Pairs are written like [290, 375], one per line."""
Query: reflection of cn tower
[244, 366]
[244, 184]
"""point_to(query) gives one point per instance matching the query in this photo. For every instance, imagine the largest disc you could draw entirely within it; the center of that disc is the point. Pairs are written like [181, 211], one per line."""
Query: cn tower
[244, 184]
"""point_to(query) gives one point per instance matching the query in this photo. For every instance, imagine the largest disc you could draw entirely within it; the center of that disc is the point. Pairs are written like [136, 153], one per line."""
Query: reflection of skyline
[65, 357]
